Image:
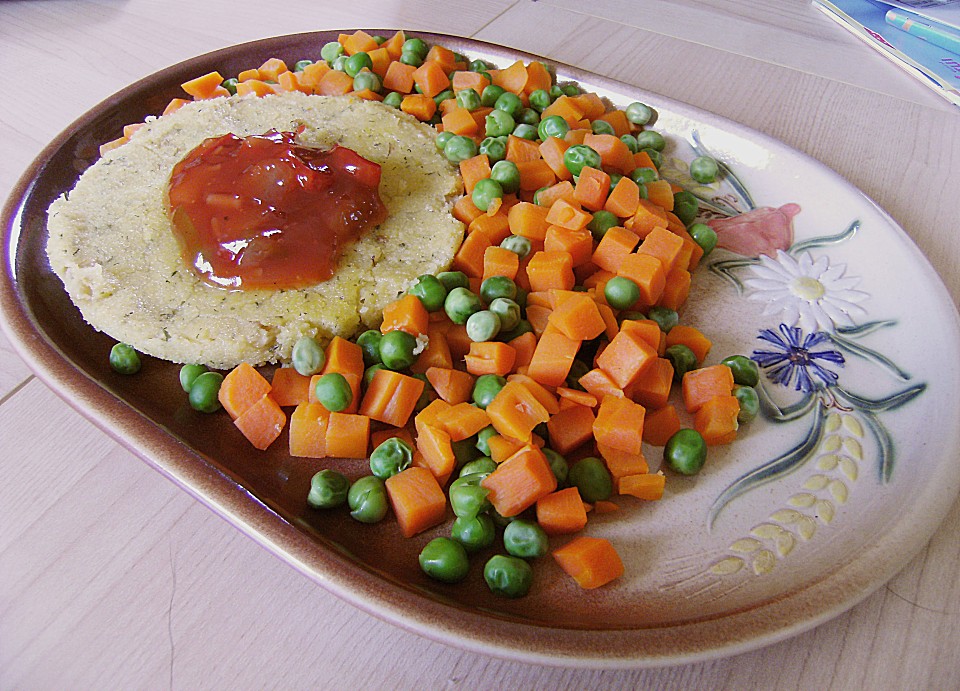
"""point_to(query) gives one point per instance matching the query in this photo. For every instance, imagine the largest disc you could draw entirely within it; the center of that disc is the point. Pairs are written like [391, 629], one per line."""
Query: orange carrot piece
[452, 385]
[592, 188]
[359, 41]
[436, 354]
[618, 120]
[444, 57]
[204, 86]
[520, 149]
[553, 357]
[381, 60]
[333, 83]
[271, 69]
[622, 463]
[651, 388]
[391, 397]
[543, 395]
[308, 431]
[599, 384]
[311, 75]
[700, 385]
[614, 153]
[602, 507]
[262, 422]
[420, 106]
[578, 318]
[346, 358]
[591, 561]
[591, 105]
[490, 357]
[664, 245]
[691, 337]
[626, 357]
[417, 500]
[513, 78]
[469, 257]
[567, 108]
[394, 45]
[515, 411]
[548, 270]
[520, 481]
[535, 174]
[465, 79]
[459, 121]
[716, 420]
[463, 420]
[538, 77]
[243, 387]
[348, 435]
[474, 169]
[577, 243]
[499, 261]
[495, 226]
[661, 424]
[465, 210]
[676, 289]
[381, 435]
[561, 512]
[660, 193]
[399, 77]
[577, 397]
[289, 387]
[624, 198]
[528, 220]
[619, 424]
[644, 486]
[647, 272]
[431, 78]
[571, 428]
[406, 314]
[562, 190]
[552, 151]
[565, 214]
[502, 448]
[615, 245]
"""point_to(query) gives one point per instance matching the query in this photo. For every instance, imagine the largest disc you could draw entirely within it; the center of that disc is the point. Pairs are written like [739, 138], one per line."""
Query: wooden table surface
[112, 577]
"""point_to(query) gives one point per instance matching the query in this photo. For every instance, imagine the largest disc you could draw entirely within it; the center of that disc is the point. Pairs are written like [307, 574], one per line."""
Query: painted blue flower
[794, 362]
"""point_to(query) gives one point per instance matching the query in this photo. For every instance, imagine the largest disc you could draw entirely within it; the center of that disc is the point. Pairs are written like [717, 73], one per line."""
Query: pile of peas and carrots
[517, 389]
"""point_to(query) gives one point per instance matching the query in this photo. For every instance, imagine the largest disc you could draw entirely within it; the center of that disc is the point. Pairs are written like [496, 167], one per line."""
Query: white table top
[112, 577]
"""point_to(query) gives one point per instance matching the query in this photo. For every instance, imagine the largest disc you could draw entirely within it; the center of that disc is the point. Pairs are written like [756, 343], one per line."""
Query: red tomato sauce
[265, 212]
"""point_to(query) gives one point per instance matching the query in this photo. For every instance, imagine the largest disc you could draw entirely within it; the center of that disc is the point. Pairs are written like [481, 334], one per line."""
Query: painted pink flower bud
[760, 231]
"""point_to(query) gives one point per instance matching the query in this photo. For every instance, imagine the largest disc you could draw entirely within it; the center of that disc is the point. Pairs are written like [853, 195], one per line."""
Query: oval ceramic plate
[845, 474]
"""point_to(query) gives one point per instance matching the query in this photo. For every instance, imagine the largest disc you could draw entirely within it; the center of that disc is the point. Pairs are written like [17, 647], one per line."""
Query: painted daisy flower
[794, 362]
[806, 292]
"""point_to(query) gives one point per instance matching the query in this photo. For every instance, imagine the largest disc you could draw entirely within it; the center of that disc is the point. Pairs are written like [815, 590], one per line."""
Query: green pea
[390, 457]
[639, 113]
[517, 244]
[507, 174]
[441, 139]
[685, 452]
[559, 466]
[490, 94]
[394, 99]
[630, 315]
[577, 369]
[124, 359]
[507, 311]
[459, 148]
[591, 478]
[467, 496]
[189, 374]
[444, 95]
[540, 99]
[665, 317]
[655, 156]
[417, 46]
[460, 304]
[509, 103]
[601, 127]
[369, 342]
[485, 389]
[745, 370]
[465, 450]
[525, 539]
[621, 293]
[683, 360]
[428, 395]
[485, 191]
[328, 489]
[704, 169]
[474, 532]
[453, 279]
[483, 326]
[495, 148]
[370, 372]
[631, 142]
[477, 66]
[339, 63]
[333, 392]
[580, 156]
[749, 403]
[204, 392]
[331, 51]
[379, 40]
[482, 464]
[230, 85]
[483, 446]
[570, 89]
[469, 99]
[307, 356]
[528, 116]
[556, 92]
[643, 175]
[498, 287]
[444, 559]
[508, 576]
[499, 123]
[367, 81]
[649, 139]
[703, 235]
[396, 349]
[553, 126]
[525, 131]
[408, 57]
[685, 206]
[367, 499]
[521, 328]
[356, 62]
[430, 291]
[601, 222]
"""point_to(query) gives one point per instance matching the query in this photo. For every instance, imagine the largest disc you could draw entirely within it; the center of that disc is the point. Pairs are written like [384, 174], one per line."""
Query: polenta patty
[110, 238]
